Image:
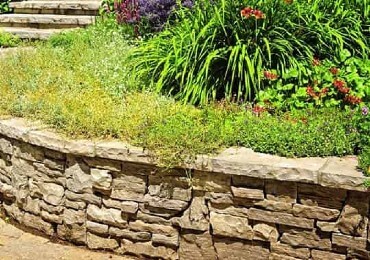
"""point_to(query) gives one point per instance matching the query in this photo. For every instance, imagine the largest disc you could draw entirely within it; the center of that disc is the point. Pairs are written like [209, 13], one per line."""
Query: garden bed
[111, 196]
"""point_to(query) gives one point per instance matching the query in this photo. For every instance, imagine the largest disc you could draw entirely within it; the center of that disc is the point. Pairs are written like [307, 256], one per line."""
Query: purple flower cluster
[365, 111]
[127, 11]
[155, 12]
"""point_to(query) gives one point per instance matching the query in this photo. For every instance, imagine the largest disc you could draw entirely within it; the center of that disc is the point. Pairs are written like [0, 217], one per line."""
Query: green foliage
[364, 161]
[215, 52]
[4, 6]
[321, 84]
[8, 40]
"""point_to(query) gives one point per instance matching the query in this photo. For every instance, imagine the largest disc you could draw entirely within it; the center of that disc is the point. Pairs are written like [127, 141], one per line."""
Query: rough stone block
[73, 233]
[321, 192]
[281, 191]
[327, 226]
[232, 250]
[273, 205]
[51, 208]
[129, 207]
[229, 210]
[97, 228]
[139, 225]
[196, 246]
[96, 242]
[315, 212]
[52, 193]
[54, 164]
[210, 181]
[101, 180]
[167, 191]
[231, 226]
[51, 217]
[168, 241]
[280, 218]
[354, 216]
[319, 255]
[35, 222]
[284, 249]
[194, 218]
[129, 187]
[28, 152]
[14, 212]
[104, 164]
[85, 197]
[307, 240]
[249, 182]
[147, 250]
[221, 198]
[147, 218]
[103, 215]
[6, 146]
[71, 217]
[163, 207]
[349, 242]
[264, 232]
[78, 205]
[247, 193]
[80, 179]
[131, 235]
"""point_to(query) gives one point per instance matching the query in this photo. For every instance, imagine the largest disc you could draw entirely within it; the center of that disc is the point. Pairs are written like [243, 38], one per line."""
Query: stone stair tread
[30, 33]
[76, 5]
[47, 19]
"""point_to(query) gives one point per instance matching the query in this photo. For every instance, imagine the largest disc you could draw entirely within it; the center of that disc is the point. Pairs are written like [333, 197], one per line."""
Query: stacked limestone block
[137, 209]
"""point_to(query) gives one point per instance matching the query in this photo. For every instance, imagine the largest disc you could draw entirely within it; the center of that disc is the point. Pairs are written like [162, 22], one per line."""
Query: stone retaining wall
[238, 205]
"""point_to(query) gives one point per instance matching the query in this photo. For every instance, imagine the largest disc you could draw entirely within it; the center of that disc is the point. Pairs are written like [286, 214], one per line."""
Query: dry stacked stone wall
[137, 209]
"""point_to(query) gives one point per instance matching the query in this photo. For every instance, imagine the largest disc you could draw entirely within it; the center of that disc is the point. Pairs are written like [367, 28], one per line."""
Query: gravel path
[16, 244]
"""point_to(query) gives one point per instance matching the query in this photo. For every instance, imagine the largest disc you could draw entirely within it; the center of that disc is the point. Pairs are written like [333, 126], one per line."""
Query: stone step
[56, 7]
[30, 33]
[45, 21]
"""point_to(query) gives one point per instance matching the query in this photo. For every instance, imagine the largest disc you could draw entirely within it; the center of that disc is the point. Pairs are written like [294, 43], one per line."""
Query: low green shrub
[219, 49]
[8, 40]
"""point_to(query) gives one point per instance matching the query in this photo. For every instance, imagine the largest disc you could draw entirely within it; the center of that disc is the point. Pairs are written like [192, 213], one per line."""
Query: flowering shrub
[325, 84]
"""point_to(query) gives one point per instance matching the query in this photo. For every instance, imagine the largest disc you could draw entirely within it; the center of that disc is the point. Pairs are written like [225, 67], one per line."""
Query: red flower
[324, 91]
[311, 92]
[246, 12]
[316, 62]
[249, 11]
[270, 75]
[258, 14]
[353, 100]
[334, 70]
[340, 85]
[258, 109]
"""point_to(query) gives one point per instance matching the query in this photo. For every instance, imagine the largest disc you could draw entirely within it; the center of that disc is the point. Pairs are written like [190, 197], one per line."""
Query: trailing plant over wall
[220, 49]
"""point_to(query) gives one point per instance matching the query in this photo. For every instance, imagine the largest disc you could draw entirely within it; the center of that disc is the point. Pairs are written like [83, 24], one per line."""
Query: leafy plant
[8, 40]
[4, 6]
[344, 82]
